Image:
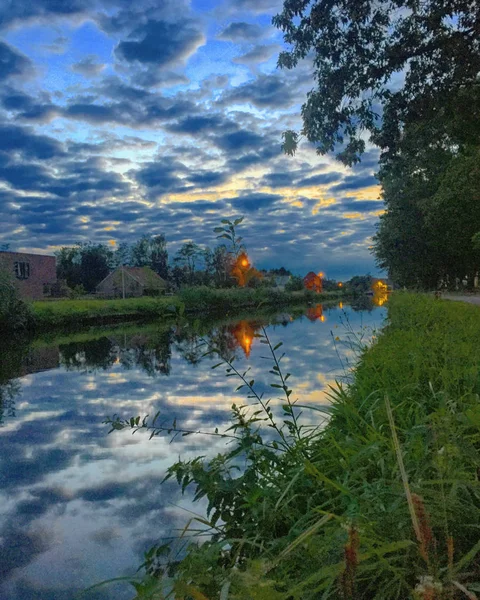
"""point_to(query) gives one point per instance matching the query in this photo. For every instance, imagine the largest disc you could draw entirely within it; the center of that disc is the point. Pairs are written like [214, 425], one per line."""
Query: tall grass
[382, 503]
[74, 313]
[201, 299]
[194, 301]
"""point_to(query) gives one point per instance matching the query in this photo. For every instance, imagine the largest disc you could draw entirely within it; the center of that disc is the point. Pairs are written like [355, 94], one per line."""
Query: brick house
[134, 281]
[31, 273]
[313, 282]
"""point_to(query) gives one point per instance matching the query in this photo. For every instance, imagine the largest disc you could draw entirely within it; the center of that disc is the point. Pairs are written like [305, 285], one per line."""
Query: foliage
[15, 315]
[476, 241]
[77, 292]
[282, 272]
[222, 301]
[359, 49]
[219, 265]
[295, 284]
[188, 257]
[229, 233]
[381, 502]
[431, 192]
[84, 264]
[199, 300]
[149, 251]
[360, 284]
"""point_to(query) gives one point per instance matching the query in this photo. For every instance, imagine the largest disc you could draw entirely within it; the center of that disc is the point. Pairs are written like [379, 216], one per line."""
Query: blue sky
[119, 119]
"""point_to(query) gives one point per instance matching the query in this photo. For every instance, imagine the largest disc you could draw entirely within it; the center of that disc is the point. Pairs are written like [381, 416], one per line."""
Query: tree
[188, 256]
[360, 284]
[430, 190]
[84, 265]
[219, 264]
[151, 251]
[453, 217]
[69, 265]
[378, 65]
[122, 255]
[282, 272]
[95, 264]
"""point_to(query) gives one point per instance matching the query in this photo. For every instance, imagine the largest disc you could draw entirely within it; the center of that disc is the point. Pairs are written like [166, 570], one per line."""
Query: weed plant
[382, 501]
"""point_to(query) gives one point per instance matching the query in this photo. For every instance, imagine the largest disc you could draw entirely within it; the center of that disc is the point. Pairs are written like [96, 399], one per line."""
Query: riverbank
[75, 314]
[383, 502]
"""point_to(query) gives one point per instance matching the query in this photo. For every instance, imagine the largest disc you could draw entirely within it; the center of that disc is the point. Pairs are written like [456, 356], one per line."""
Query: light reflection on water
[79, 506]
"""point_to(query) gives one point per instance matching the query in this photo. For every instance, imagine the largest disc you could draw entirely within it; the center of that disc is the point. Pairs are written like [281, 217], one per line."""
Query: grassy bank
[382, 503]
[192, 301]
[78, 313]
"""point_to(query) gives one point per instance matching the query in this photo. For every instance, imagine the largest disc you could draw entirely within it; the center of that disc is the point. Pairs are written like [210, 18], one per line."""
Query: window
[22, 270]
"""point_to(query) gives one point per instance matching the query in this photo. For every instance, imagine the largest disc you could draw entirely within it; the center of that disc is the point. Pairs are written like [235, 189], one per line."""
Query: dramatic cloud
[22, 139]
[88, 66]
[320, 179]
[176, 120]
[266, 91]
[25, 10]
[254, 202]
[257, 55]
[12, 62]
[236, 32]
[161, 43]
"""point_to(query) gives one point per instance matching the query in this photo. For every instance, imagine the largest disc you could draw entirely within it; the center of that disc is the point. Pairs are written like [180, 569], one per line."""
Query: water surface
[79, 506]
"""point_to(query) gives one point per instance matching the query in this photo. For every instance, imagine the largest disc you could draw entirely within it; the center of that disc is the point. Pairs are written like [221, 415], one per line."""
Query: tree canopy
[378, 65]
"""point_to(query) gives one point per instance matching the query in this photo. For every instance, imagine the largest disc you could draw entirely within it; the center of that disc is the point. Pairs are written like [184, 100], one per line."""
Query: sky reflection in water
[80, 506]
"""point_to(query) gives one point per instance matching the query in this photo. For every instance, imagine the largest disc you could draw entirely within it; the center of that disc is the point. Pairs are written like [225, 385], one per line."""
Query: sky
[121, 118]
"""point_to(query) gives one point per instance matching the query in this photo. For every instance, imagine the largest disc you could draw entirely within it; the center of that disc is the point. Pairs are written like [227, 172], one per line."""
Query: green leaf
[290, 142]
[238, 221]
[311, 469]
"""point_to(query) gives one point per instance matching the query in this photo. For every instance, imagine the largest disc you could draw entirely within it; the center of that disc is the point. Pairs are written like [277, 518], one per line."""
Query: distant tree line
[83, 266]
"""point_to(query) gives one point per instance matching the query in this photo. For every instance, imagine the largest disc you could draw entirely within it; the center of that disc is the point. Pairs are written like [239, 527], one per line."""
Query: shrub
[15, 315]
[295, 284]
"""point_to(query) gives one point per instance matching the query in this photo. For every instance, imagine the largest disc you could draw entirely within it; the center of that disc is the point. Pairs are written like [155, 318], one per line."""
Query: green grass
[74, 313]
[382, 503]
[193, 301]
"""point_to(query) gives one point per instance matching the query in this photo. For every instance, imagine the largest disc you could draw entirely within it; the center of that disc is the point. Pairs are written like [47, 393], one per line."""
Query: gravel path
[470, 299]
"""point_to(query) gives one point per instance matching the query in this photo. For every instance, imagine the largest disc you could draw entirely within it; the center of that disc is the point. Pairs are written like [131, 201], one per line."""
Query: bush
[295, 284]
[381, 503]
[15, 315]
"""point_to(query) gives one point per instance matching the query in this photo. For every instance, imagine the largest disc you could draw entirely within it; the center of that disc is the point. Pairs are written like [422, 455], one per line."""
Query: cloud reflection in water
[80, 506]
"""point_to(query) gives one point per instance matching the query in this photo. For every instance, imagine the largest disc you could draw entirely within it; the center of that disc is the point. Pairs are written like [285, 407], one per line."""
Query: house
[33, 274]
[131, 282]
[313, 282]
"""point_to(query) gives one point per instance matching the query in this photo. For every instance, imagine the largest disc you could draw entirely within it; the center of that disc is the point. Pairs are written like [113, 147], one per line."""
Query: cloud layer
[120, 119]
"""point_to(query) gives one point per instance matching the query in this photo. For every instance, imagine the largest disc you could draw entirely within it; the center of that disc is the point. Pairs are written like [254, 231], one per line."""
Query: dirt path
[470, 299]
